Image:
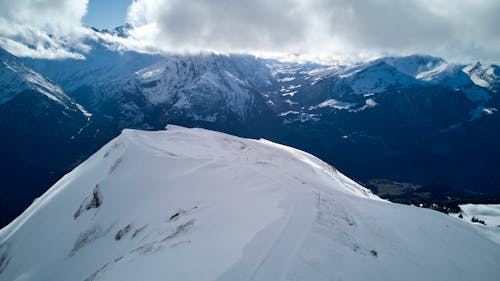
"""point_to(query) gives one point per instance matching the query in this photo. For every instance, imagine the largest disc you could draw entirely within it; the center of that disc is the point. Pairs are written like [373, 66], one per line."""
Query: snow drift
[192, 204]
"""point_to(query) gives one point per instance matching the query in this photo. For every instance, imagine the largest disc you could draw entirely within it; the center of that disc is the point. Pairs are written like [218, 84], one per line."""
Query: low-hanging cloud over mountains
[355, 29]
[42, 28]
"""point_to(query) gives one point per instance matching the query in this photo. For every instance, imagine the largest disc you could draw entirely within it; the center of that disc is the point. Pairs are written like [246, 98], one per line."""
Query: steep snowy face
[192, 204]
[16, 78]
[205, 81]
[486, 76]
[106, 74]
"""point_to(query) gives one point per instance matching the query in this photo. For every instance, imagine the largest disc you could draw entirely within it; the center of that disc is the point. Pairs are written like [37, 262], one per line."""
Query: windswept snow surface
[192, 204]
[490, 214]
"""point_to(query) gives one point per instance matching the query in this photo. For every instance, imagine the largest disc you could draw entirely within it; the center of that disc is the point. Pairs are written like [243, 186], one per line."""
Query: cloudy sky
[459, 30]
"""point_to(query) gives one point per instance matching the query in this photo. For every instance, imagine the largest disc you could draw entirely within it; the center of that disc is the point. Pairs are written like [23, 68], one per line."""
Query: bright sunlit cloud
[460, 30]
[42, 28]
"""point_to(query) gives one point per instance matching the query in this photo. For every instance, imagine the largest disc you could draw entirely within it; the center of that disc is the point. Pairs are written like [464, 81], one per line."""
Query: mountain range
[412, 125]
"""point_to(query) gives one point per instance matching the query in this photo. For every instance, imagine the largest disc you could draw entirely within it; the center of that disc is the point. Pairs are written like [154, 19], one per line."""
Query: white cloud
[455, 29]
[218, 24]
[338, 29]
[42, 28]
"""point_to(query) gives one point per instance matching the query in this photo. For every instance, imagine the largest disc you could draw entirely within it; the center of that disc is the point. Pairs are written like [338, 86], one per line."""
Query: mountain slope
[206, 87]
[45, 133]
[412, 119]
[147, 91]
[191, 204]
[17, 78]
[486, 76]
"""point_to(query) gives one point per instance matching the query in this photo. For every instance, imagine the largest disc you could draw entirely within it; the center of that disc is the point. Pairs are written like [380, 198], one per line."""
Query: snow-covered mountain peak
[376, 76]
[203, 80]
[195, 67]
[486, 76]
[119, 31]
[193, 204]
[414, 65]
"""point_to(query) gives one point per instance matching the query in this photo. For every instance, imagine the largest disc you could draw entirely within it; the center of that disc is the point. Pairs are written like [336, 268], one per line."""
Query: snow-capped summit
[122, 31]
[451, 75]
[414, 65]
[376, 77]
[192, 204]
[413, 71]
[486, 76]
[205, 81]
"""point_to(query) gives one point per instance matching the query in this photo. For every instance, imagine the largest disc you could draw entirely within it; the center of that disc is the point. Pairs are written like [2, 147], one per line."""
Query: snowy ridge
[192, 204]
